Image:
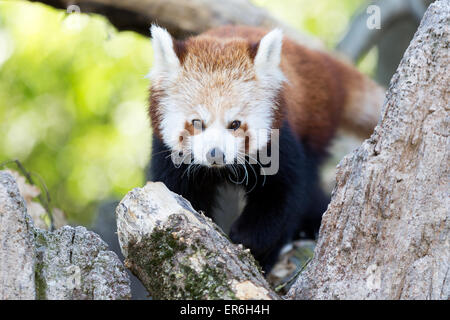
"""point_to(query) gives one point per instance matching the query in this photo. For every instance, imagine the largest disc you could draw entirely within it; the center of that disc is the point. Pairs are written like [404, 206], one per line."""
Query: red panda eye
[198, 124]
[235, 125]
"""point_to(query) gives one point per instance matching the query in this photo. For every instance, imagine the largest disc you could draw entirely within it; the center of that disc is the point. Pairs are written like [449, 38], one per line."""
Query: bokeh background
[73, 95]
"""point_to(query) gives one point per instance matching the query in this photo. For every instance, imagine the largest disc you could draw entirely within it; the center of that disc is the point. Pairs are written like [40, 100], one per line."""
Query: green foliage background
[73, 95]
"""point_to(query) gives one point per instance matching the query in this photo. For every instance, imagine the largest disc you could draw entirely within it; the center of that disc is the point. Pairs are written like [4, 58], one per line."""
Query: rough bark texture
[69, 263]
[17, 248]
[182, 18]
[385, 234]
[181, 254]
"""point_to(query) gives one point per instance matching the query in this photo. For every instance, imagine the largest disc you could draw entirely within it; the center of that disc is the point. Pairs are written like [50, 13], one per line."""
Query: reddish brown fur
[189, 127]
[153, 110]
[210, 55]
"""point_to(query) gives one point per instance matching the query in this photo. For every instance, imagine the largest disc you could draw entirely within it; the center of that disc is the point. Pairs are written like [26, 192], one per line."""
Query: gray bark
[17, 247]
[69, 263]
[180, 254]
[385, 234]
[183, 18]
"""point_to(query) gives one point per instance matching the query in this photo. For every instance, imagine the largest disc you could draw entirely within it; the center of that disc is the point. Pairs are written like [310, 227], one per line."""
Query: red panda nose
[215, 156]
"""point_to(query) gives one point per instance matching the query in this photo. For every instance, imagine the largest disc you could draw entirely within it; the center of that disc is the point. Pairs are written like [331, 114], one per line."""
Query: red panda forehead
[207, 54]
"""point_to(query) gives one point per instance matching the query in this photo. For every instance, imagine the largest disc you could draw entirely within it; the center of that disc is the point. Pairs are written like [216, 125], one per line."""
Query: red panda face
[214, 103]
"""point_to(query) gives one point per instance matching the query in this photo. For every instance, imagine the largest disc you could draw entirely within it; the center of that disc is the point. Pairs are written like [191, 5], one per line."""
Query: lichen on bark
[179, 253]
[172, 278]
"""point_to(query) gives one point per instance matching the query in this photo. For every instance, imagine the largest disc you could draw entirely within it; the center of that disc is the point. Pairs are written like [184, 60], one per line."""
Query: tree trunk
[182, 18]
[180, 254]
[69, 263]
[385, 234]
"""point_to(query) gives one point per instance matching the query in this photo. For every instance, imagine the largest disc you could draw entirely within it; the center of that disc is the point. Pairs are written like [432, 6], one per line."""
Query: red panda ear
[166, 62]
[253, 49]
[268, 55]
[179, 47]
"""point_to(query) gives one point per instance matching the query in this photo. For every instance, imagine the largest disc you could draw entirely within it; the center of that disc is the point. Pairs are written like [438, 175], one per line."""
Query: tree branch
[182, 18]
[178, 253]
[359, 39]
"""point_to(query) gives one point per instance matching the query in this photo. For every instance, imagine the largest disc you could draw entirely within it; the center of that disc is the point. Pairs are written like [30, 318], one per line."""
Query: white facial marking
[216, 137]
[268, 57]
[166, 63]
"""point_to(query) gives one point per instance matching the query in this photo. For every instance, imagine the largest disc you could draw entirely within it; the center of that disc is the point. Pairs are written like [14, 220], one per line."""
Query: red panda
[215, 100]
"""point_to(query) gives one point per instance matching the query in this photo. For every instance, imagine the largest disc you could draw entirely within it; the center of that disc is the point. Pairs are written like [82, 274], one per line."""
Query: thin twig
[45, 202]
[281, 286]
